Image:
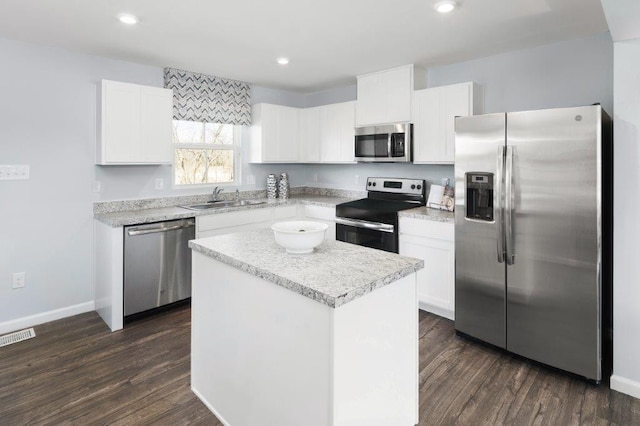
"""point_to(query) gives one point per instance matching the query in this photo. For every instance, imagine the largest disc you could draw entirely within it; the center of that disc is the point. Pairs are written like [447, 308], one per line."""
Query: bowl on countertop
[299, 236]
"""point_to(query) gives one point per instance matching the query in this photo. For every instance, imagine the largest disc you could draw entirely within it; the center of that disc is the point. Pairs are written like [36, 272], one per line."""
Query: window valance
[208, 99]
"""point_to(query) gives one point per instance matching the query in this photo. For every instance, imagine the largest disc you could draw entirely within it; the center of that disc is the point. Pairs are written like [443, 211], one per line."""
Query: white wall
[626, 289]
[47, 110]
[571, 73]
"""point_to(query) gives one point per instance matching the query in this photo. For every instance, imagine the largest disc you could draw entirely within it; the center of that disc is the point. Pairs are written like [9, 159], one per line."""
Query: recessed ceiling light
[127, 18]
[283, 61]
[445, 6]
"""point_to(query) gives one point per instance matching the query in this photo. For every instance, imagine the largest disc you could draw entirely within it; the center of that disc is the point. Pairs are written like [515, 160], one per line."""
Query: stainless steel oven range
[373, 221]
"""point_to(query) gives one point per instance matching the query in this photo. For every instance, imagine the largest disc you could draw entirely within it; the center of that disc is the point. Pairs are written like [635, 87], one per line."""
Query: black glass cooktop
[374, 210]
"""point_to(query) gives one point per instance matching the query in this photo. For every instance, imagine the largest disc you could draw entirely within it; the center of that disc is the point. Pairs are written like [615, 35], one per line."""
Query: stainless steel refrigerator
[533, 234]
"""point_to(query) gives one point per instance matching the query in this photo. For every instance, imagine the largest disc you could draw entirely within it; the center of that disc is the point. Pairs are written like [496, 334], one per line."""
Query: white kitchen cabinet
[434, 243]
[227, 223]
[135, 124]
[275, 133]
[321, 214]
[385, 96]
[434, 112]
[337, 133]
[310, 129]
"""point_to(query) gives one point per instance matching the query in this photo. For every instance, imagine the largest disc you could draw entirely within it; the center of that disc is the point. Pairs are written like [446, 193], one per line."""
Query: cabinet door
[398, 88]
[288, 131]
[337, 132]
[456, 101]
[269, 132]
[324, 215]
[370, 107]
[156, 132]
[121, 125]
[436, 282]
[310, 135]
[428, 133]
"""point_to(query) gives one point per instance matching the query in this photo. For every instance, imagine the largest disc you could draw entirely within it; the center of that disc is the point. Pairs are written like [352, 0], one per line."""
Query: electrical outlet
[159, 183]
[96, 186]
[356, 180]
[14, 172]
[445, 181]
[19, 279]
[251, 180]
[314, 177]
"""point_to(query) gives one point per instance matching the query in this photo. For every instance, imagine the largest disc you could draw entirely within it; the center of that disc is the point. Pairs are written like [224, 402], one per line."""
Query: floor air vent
[16, 337]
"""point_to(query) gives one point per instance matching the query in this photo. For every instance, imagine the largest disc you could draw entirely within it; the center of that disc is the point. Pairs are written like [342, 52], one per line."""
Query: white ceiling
[328, 41]
[623, 17]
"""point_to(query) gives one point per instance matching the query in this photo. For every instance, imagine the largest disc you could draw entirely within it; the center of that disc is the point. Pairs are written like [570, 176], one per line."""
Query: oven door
[381, 236]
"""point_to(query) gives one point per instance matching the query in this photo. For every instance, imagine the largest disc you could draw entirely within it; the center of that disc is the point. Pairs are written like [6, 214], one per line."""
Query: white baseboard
[209, 406]
[434, 309]
[56, 314]
[626, 386]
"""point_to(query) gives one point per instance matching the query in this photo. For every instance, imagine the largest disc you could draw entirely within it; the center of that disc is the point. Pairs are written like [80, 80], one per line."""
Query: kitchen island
[328, 338]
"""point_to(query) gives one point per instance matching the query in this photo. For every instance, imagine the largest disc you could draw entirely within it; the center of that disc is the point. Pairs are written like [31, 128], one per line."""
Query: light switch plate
[14, 172]
[159, 183]
[251, 180]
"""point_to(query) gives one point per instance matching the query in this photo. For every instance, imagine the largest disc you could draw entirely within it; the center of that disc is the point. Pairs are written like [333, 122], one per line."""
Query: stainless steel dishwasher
[157, 264]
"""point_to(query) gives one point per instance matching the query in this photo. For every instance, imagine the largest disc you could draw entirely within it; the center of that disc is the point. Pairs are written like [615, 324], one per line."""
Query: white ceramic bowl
[299, 236]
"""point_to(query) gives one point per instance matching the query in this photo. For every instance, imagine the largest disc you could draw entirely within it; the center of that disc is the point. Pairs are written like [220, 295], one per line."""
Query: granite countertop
[137, 216]
[334, 274]
[426, 213]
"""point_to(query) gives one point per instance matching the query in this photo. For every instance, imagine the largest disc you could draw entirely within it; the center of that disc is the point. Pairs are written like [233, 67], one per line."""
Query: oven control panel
[395, 185]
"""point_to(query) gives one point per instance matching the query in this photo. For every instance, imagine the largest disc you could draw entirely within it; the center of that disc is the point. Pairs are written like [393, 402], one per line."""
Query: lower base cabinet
[228, 223]
[432, 242]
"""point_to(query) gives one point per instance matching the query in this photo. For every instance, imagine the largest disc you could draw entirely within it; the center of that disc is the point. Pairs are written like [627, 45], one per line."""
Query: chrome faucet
[216, 192]
[237, 195]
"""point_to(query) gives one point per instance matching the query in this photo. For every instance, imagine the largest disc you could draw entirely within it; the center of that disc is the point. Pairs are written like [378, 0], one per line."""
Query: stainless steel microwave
[389, 143]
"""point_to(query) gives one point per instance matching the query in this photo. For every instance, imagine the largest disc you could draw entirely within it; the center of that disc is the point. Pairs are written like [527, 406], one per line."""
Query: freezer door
[553, 289]
[480, 275]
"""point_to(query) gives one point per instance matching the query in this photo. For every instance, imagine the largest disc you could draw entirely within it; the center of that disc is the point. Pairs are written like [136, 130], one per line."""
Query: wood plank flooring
[77, 372]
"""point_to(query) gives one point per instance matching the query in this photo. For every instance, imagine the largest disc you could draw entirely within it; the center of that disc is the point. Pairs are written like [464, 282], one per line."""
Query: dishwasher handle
[144, 231]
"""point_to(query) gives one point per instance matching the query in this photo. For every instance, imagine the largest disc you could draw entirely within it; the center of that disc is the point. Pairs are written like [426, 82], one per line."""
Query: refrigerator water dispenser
[480, 196]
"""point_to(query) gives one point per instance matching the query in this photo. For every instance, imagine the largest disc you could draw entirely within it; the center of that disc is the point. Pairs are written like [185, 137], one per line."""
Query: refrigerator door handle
[497, 202]
[508, 207]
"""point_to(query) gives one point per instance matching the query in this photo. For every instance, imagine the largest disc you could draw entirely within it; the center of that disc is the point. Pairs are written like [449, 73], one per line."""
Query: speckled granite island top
[334, 274]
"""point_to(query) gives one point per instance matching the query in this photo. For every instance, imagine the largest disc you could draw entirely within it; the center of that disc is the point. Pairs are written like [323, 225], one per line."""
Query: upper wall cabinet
[323, 134]
[135, 124]
[434, 112]
[275, 131]
[337, 134]
[385, 96]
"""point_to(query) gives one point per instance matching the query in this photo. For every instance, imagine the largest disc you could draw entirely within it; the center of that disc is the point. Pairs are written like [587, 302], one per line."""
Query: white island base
[263, 354]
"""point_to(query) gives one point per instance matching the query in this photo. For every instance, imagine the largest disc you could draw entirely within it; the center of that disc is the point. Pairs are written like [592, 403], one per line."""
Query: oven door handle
[374, 226]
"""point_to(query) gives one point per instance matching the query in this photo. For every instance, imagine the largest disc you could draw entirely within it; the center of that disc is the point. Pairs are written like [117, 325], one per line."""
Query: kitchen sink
[221, 204]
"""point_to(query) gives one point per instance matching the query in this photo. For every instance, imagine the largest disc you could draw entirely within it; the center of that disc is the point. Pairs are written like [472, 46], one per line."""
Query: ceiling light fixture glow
[127, 18]
[445, 6]
[283, 61]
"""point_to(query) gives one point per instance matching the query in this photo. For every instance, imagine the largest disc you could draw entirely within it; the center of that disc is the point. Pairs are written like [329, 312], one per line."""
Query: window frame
[236, 147]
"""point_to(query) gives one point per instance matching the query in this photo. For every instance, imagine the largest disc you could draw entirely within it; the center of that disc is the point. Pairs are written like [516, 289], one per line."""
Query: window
[205, 153]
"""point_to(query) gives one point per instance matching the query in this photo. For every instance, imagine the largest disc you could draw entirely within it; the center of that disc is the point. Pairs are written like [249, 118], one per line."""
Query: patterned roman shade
[209, 99]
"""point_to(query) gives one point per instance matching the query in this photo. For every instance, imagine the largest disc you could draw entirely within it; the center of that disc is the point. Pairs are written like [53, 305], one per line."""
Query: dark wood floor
[77, 372]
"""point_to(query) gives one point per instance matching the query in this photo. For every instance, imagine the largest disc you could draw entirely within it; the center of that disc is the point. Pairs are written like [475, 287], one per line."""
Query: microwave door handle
[389, 145]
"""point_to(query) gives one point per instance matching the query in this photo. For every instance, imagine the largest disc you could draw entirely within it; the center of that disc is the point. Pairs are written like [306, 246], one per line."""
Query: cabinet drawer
[427, 228]
[286, 212]
[320, 212]
[223, 220]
